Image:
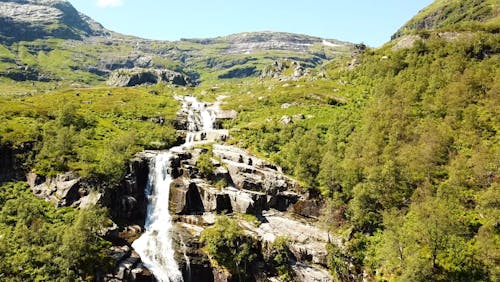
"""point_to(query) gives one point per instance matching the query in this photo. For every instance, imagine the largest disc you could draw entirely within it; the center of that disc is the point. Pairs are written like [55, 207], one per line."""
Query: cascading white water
[155, 246]
[200, 118]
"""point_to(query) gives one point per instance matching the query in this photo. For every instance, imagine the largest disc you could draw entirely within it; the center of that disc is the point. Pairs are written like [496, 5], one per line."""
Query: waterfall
[155, 245]
[186, 258]
[200, 119]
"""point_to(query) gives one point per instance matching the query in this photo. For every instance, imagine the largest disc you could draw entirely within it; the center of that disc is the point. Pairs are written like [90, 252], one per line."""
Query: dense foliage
[41, 243]
[279, 256]
[405, 163]
[229, 246]
[92, 132]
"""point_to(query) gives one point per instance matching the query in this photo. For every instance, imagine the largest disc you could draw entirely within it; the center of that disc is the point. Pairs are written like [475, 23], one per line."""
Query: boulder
[299, 117]
[62, 190]
[249, 202]
[286, 120]
[128, 266]
[309, 273]
[215, 200]
[185, 197]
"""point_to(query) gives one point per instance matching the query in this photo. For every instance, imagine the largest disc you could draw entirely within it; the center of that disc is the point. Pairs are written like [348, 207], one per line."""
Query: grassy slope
[455, 15]
[105, 126]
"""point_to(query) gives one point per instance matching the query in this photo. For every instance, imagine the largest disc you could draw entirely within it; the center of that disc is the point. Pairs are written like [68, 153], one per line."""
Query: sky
[359, 21]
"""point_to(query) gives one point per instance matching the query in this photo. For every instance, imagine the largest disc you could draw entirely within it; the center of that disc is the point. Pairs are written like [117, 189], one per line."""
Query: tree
[229, 246]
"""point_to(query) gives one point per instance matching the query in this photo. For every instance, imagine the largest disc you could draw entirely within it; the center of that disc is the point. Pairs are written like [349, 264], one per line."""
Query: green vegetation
[453, 15]
[204, 164]
[401, 143]
[229, 246]
[92, 132]
[278, 254]
[402, 147]
[41, 243]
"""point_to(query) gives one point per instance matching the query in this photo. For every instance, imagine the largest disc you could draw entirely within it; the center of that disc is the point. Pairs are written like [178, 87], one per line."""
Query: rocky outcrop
[23, 73]
[127, 202]
[193, 262]
[248, 172]
[127, 205]
[306, 240]
[308, 273]
[252, 185]
[63, 190]
[240, 72]
[285, 70]
[128, 266]
[138, 76]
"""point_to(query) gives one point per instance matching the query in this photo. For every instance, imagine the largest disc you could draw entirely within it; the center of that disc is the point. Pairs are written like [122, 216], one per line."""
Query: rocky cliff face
[250, 42]
[254, 186]
[138, 76]
[450, 15]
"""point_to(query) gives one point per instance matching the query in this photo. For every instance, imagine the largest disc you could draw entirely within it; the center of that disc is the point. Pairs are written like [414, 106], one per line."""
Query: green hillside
[452, 15]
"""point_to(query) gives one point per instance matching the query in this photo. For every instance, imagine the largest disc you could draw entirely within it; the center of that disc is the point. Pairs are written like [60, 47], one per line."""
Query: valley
[258, 156]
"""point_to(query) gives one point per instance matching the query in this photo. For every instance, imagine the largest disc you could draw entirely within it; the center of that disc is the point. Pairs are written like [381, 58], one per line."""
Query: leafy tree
[229, 246]
[278, 254]
[204, 163]
[42, 243]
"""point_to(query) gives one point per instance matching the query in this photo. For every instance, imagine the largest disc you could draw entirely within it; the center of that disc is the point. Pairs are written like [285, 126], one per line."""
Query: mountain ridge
[446, 15]
[55, 29]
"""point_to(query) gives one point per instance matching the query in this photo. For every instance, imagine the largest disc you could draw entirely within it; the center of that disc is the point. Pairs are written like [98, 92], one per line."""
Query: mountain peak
[249, 42]
[35, 19]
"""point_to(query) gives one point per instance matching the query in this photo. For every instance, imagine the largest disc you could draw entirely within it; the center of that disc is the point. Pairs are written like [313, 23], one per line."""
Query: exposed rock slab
[251, 173]
[139, 76]
[307, 241]
[308, 273]
[62, 190]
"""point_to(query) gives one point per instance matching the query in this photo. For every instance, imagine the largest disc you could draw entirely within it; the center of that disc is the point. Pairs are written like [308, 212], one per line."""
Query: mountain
[51, 41]
[26, 20]
[380, 164]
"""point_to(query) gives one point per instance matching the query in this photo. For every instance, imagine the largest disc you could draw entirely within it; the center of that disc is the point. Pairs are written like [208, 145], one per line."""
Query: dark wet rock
[193, 261]
[127, 202]
[185, 197]
[11, 165]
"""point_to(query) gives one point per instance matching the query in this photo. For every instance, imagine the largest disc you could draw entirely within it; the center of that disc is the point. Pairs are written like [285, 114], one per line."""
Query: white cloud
[109, 3]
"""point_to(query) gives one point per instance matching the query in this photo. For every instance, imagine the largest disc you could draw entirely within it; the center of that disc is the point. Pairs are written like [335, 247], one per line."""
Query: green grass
[106, 126]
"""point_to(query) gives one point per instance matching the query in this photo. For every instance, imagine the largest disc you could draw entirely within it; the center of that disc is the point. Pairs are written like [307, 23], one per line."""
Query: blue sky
[368, 21]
